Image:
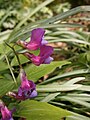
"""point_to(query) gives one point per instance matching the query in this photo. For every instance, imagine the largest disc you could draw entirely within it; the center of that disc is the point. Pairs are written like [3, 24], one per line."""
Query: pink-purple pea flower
[37, 40]
[27, 88]
[43, 57]
[6, 113]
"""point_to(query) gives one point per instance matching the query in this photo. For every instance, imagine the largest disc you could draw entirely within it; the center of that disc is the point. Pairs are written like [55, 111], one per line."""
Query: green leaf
[70, 33]
[68, 74]
[75, 100]
[31, 13]
[25, 31]
[8, 12]
[45, 3]
[84, 88]
[4, 35]
[73, 40]
[32, 110]
[16, 35]
[83, 97]
[22, 59]
[67, 14]
[5, 86]
[3, 66]
[74, 80]
[36, 72]
[77, 117]
[57, 88]
[74, 115]
[50, 97]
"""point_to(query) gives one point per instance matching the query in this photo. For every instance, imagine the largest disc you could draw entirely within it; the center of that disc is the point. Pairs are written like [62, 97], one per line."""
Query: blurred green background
[14, 11]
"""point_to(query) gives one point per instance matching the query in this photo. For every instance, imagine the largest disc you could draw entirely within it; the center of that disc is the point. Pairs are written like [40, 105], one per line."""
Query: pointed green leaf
[67, 14]
[77, 117]
[50, 97]
[78, 101]
[3, 66]
[35, 72]
[5, 86]
[74, 80]
[33, 110]
[57, 88]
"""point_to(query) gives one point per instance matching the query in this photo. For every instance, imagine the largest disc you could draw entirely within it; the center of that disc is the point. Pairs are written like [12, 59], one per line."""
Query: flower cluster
[37, 42]
[27, 88]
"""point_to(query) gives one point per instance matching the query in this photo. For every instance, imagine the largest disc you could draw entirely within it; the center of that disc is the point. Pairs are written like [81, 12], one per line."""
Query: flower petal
[20, 92]
[36, 60]
[48, 60]
[6, 114]
[43, 57]
[24, 81]
[33, 94]
[36, 39]
[46, 51]
[44, 41]
[27, 89]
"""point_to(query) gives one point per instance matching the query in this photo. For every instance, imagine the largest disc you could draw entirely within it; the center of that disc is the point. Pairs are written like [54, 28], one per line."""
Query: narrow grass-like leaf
[57, 88]
[67, 14]
[61, 16]
[8, 12]
[77, 117]
[50, 97]
[74, 80]
[45, 3]
[83, 97]
[84, 88]
[68, 74]
[71, 99]
[18, 34]
[73, 40]
[70, 33]
[4, 35]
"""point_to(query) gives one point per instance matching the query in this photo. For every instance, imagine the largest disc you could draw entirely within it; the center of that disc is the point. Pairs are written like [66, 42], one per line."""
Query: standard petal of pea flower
[37, 40]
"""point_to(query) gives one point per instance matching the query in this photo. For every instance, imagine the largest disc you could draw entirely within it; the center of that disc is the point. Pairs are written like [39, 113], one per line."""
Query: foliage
[66, 85]
[12, 12]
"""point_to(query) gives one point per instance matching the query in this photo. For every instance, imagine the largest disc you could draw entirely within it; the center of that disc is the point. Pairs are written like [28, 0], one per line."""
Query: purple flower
[43, 57]
[6, 114]
[37, 42]
[37, 39]
[27, 88]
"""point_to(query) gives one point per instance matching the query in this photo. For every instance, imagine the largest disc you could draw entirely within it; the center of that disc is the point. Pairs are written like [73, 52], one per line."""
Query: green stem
[15, 54]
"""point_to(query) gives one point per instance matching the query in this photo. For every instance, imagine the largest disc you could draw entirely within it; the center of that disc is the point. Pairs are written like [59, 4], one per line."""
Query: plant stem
[15, 54]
